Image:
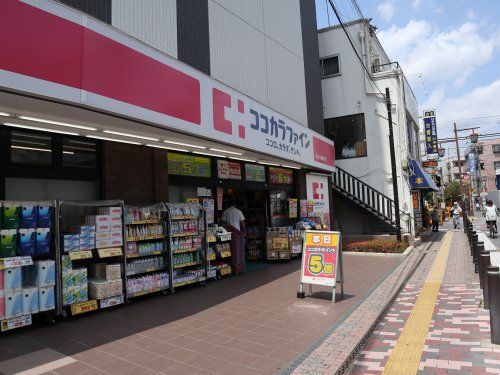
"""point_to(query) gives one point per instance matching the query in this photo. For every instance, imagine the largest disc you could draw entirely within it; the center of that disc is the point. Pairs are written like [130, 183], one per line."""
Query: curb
[406, 252]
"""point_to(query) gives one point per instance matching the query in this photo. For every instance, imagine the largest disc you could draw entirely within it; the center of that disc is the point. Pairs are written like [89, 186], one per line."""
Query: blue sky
[455, 44]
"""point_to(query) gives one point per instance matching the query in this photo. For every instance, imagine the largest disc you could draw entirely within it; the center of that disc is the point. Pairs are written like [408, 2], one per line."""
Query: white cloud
[386, 10]
[471, 15]
[416, 4]
[441, 55]
[480, 102]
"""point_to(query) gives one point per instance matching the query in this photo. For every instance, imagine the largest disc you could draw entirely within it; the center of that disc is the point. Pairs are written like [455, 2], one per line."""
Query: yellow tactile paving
[405, 357]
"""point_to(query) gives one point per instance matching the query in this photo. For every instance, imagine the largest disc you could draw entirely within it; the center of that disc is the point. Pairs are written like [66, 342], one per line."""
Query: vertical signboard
[317, 194]
[472, 163]
[430, 131]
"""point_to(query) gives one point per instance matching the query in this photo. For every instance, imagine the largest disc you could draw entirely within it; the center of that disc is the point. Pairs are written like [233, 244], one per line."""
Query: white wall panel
[250, 11]
[153, 22]
[286, 84]
[237, 53]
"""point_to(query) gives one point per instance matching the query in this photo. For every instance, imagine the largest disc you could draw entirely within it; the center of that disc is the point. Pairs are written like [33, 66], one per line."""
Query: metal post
[494, 302]
[474, 253]
[485, 263]
[479, 251]
[393, 163]
[459, 163]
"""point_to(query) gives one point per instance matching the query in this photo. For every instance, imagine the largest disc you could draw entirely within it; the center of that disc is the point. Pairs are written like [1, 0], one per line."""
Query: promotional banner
[187, 165]
[320, 258]
[280, 176]
[255, 173]
[430, 129]
[209, 207]
[292, 208]
[317, 191]
[472, 163]
[229, 170]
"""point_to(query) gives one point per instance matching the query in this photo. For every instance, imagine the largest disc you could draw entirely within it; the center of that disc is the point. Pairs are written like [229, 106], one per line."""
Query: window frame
[495, 148]
[337, 55]
[338, 149]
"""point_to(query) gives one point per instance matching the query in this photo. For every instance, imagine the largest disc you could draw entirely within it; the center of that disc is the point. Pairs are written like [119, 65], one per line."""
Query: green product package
[11, 216]
[8, 243]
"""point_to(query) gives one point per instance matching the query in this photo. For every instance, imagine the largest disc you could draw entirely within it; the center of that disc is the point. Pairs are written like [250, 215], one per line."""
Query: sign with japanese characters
[320, 258]
[280, 176]
[229, 169]
[255, 173]
[187, 165]
[318, 197]
[430, 132]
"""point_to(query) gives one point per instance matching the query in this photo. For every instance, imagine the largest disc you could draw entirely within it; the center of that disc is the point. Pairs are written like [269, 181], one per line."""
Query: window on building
[78, 153]
[496, 165]
[496, 149]
[330, 66]
[30, 148]
[348, 133]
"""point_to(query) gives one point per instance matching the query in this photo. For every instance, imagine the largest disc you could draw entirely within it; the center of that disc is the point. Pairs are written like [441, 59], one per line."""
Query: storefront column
[160, 176]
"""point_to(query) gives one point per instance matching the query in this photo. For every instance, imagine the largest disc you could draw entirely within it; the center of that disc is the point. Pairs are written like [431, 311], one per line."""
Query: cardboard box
[283, 254]
[116, 222]
[102, 244]
[13, 304]
[83, 229]
[106, 271]
[46, 298]
[45, 273]
[110, 211]
[42, 241]
[99, 236]
[116, 234]
[71, 242]
[80, 276]
[116, 287]
[67, 279]
[30, 301]
[66, 263]
[87, 245]
[12, 279]
[44, 218]
[99, 289]
[81, 293]
[8, 243]
[102, 222]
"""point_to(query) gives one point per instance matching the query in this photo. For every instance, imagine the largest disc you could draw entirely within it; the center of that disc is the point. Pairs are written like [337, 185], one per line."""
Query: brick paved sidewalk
[458, 341]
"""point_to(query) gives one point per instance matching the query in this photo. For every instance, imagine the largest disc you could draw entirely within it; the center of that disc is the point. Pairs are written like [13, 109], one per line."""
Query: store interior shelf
[142, 222]
[183, 217]
[133, 256]
[147, 270]
[187, 282]
[187, 264]
[184, 234]
[111, 301]
[146, 238]
[144, 292]
[186, 250]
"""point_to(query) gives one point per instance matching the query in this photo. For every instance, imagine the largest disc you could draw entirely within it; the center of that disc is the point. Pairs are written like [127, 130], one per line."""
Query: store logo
[221, 101]
[317, 188]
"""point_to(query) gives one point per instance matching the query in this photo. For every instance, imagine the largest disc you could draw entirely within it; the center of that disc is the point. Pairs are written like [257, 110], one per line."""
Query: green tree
[452, 191]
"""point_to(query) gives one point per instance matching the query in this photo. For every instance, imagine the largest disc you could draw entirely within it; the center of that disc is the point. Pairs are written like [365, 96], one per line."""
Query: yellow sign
[280, 243]
[187, 165]
[225, 271]
[83, 307]
[110, 252]
[77, 255]
[225, 254]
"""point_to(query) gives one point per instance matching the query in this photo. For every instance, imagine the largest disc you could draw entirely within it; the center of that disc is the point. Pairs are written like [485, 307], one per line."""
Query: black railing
[370, 198]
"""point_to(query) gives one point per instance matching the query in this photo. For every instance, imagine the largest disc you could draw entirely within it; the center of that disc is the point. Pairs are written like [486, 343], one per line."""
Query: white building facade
[355, 110]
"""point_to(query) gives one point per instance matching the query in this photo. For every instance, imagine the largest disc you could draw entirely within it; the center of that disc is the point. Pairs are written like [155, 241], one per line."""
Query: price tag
[212, 256]
[77, 255]
[110, 252]
[113, 301]
[225, 271]
[225, 237]
[15, 262]
[83, 307]
[211, 239]
[225, 254]
[18, 322]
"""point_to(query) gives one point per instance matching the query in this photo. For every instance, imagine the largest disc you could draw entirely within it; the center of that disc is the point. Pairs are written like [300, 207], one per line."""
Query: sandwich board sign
[321, 261]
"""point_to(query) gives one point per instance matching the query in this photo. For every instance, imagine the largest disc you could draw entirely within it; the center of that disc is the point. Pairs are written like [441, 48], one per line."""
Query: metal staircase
[370, 199]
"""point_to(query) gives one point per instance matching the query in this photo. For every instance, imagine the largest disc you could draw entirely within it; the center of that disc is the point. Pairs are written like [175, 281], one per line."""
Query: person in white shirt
[456, 212]
[491, 214]
[234, 217]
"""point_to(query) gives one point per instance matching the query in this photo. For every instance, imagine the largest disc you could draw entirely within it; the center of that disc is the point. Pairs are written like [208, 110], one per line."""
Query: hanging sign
[280, 176]
[415, 199]
[209, 207]
[321, 259]
[229, 170]
[292, 208]
[318, 197]
[430, 130]
[255, 173]
[187, 165]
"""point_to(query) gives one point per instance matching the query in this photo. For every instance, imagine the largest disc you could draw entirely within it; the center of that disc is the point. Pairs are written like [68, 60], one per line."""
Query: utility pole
[393, 164]
[459, 163]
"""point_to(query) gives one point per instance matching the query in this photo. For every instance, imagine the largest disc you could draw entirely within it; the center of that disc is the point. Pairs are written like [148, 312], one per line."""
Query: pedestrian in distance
[478, 207]
[456, 213]
[491, 214]
[435, 219]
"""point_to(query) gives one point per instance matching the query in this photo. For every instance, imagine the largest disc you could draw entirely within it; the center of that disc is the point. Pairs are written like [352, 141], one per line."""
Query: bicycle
[456, 221]
[492, 228]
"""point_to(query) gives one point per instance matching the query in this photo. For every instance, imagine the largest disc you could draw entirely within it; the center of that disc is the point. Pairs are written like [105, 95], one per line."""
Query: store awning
[419, 178]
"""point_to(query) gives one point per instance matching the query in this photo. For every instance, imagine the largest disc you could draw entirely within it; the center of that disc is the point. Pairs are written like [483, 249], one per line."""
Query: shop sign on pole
[321, 261]
[416, 200]
[280, 176]
[187, 165]
[292, 208]
[255, 173]
[430, 129]
[228, 170]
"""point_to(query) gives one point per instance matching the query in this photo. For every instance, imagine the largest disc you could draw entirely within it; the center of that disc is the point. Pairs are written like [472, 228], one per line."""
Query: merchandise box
[102, 244]
[87, 245]
[66, 263]
[106, 271]
[283, 254]
[11, 216]
[116, 234]
[13, 304]
[99, 289]
[12, 279]
[68, 295]
[27, 242]
[29, 216]
[79, 276]
[67, 279]
[71, 242]
[102, 222]
[44, 216]
[46, 298]
[83, 229]
[272, 254]
[116, 287]
[2, 304]
[30, 301]
[99, 236]
[8, 243]
[29, 276]
[46, 273]
[42, 241]
[80, 293]
[116, 242]
[110, 211]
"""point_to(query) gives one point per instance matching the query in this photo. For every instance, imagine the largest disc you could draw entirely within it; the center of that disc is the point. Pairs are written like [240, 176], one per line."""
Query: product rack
[187, 244]
[218, 252]
[146, 246]
[79, 214]
[27, 265]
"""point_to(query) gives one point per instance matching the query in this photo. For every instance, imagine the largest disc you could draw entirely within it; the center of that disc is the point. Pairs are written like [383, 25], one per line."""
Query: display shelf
[187, 264]
[188, 282]
[132, 256]
[17, 322]
[110, 252]
[111, 301]
[84, 307]
[80, 255]
[183, 217]
[186, 250]
[225, 271]
[146, 238]
[147, 270]
[174, 235]
[142, 222]
[12, 262]
[148, 291]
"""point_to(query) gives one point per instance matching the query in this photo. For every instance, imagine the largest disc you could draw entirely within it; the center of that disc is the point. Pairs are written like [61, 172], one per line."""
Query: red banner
[320, 258]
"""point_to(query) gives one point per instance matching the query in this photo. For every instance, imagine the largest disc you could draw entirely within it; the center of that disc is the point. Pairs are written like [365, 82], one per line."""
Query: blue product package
[83, 229]
[30, 301]
[46, 298]
[13, 304]
[29, 216]
[12, 279]
[45, 273]
[27, 241]
[42, 243]
[71, 242]
[44, 216]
